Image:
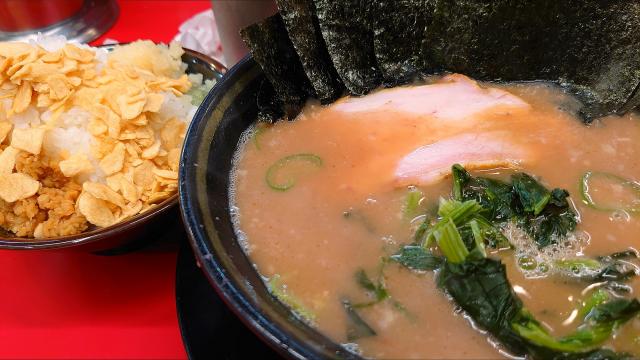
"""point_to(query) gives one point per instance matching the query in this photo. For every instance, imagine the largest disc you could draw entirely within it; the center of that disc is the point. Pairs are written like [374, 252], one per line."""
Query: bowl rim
[216, 272]
[87, 237]
[97, 234]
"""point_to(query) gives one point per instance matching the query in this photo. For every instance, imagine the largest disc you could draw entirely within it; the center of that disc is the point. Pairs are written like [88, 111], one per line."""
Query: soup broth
[343, 208]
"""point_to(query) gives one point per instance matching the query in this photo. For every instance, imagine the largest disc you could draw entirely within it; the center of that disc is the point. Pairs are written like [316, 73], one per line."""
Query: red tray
[69, 305]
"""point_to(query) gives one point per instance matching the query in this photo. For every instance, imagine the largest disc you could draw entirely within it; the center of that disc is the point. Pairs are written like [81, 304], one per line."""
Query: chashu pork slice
[454, 97]
[431, 163]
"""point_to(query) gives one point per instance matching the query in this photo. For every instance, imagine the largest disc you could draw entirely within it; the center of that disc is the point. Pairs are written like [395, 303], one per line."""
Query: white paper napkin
[200, 33]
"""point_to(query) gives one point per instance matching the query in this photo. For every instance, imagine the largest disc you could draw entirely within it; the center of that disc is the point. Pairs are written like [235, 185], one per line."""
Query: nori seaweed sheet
[400, 39]
[347, 30]
[304, 31]
[485, 40]
[271, 48]
[589, 47]
[270, 107]
[604, 58]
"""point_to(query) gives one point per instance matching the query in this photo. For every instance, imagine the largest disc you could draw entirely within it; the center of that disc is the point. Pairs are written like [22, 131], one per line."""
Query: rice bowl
[85, 156]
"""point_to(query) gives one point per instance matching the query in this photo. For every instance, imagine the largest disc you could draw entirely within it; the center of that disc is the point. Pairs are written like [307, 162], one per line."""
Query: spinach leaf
[599, 325]
[616, 271]
[416, 257]
[532, 195]
[618, 266]
[618, 288]
[378, 290]
[615, 311]
[544, 215]
[495, 197]
[478, 237]
[459, 212]
[555, 221]
[598, 354]
[480, 286]
[612, 269]
[582, 339]
[552, 224]
[356, 327]
[363, 280]
[493, 237]
[626, 254]
[460, 179]
[559, 197]
[597, 298]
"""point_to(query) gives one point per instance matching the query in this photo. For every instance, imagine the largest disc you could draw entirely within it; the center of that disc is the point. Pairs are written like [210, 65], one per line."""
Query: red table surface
[69, 305]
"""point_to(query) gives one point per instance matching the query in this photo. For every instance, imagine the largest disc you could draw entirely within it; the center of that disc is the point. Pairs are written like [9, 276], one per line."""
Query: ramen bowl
[206, 164]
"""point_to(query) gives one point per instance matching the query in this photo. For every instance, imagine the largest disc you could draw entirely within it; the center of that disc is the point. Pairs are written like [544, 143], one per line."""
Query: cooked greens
[480, 286]
[598, 327]
[598, 297]
[545, 215]
[554, 222]
[416, 257]
[611, 271]
[496, 197]
[532, 195]
[604, 268]
[462, 213]
[377, 290]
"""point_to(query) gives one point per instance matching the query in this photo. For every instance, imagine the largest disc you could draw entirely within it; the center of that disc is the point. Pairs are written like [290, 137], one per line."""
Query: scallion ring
[276, 168]
[587, 191]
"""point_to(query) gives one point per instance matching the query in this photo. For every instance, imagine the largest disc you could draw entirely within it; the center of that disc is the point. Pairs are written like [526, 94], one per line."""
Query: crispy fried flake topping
[133, 156]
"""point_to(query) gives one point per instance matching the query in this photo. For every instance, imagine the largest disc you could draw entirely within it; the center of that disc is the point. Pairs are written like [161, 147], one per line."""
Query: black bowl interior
[204, 187]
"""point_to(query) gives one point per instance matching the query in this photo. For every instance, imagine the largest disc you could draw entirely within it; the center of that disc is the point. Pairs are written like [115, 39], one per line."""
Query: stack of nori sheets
[328, 48]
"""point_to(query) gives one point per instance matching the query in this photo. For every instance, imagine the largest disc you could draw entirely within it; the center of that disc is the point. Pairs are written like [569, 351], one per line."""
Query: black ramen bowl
[136, 231]
[206, 164]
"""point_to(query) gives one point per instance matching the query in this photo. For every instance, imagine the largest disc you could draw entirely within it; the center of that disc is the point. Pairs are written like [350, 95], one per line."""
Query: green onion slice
[257, 132]
[275, 170]
[411, 207]
[606, 184]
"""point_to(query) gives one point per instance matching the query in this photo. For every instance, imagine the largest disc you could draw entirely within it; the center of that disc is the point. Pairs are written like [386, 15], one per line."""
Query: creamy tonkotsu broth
[345, 211]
